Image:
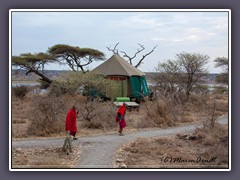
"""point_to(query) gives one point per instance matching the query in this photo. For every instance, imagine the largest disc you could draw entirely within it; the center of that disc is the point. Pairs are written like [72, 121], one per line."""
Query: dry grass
[156, 114]
[19, 121]
[215, 140]
[44, 158]
[42, 115]
[20, 118]
[208, 150]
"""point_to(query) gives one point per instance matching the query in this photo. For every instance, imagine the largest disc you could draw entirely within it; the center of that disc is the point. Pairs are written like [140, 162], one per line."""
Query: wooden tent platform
[129, 104]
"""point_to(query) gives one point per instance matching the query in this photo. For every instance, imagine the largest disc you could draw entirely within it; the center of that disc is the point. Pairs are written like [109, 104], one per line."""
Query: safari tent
[133, 81]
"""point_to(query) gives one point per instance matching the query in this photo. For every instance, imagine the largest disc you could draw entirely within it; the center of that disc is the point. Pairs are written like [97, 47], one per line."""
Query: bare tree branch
[114, 50]
[140, 62]
[125, 55]
[131, 58]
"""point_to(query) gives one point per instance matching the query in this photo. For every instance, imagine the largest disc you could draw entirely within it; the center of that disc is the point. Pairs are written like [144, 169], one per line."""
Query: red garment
[122, 124]
[122, 110]
[71, 121]
[121, 119]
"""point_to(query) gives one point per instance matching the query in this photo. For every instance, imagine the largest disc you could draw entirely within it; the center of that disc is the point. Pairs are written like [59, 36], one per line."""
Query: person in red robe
[71, 122]
[120, 118]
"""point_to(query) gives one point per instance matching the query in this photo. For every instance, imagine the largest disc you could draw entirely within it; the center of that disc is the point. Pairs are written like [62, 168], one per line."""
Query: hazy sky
[172, 32]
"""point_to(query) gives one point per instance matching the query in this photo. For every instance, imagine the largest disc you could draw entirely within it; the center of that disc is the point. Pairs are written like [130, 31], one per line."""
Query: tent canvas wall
[139, 86]
[123, 82]
[133, 81]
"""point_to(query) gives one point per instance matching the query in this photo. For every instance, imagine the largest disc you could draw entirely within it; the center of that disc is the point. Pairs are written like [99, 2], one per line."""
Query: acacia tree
[169, 78]
[192, 67]
[131, 58]
[184, 73]
[33, 63]
[223, 63]
[75, 57]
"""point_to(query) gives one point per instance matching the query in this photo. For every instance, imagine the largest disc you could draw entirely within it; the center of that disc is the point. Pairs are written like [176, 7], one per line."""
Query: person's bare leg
[120, 131]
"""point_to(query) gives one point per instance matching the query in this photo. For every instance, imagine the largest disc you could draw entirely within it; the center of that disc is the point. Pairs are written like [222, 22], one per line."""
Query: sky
[173, 32]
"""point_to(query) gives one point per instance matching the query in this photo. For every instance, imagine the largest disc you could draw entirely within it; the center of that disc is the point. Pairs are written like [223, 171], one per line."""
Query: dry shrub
[221, 102]
[159, 113]
[20, 91]
[222, 106]
[107, 115]
[89, 110]
[98, 115]
[208, 107]
[145, 123]
[95, 85]
[211, 113]
[198, 100]
[191, 110]
[188, 116]
[47, 115]
[135, 118]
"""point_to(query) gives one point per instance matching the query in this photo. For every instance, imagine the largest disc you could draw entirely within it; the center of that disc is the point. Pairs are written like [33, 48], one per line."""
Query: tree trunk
[44, 78]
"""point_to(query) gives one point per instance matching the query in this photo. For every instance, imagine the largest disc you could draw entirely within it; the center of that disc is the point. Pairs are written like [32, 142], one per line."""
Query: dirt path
[98, 151]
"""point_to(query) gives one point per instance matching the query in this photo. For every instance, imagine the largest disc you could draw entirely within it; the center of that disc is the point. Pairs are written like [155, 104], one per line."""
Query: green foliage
[33, 63]
[20, 91]
[170, 75]
[43, 84]
[72, 82]
[222, 62]
[201, 89]
[92, 52]
[192, 63]
[60, 49]
[28, 60]
[75, 57]
[61, 87]
[220, 90]
[222, 78]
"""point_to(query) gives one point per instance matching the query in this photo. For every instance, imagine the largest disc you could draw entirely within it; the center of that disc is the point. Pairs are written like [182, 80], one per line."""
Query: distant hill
[18, 74]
